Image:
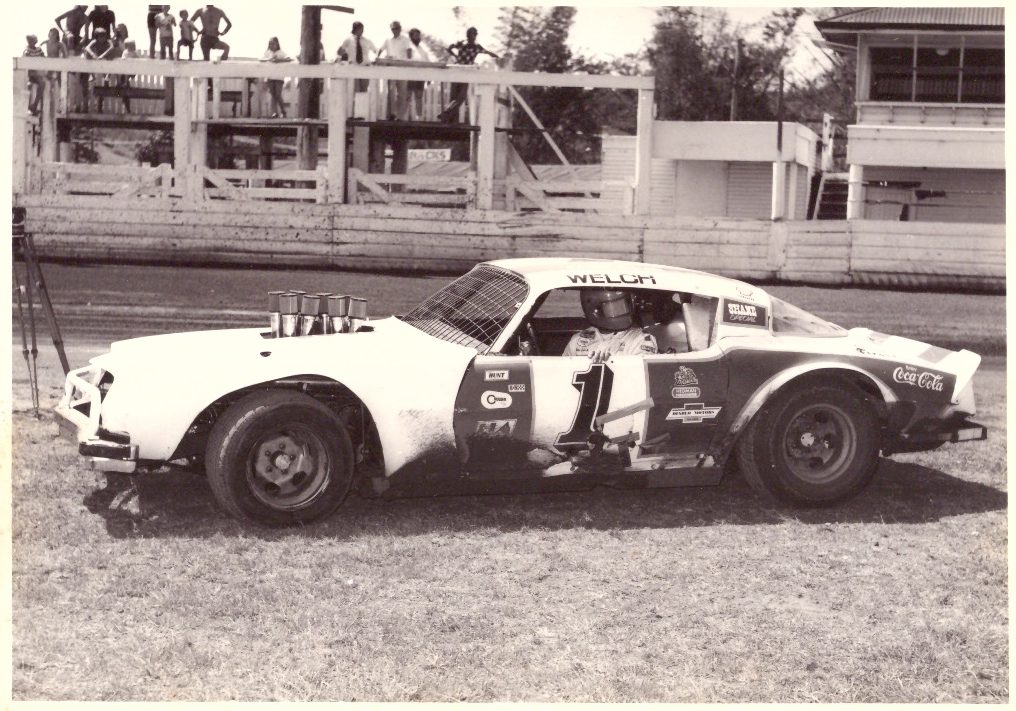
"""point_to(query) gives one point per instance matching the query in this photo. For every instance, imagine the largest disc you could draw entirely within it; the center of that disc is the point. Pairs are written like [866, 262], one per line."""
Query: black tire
[811, 445]
[279, 458]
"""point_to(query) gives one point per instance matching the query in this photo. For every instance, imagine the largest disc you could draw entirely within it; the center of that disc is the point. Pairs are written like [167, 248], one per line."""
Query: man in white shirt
[418, 54]
[611, 331]
[357, 49]
[397, 47]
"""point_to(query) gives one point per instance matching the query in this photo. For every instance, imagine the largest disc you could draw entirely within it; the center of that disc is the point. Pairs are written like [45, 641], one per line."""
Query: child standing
[187, 34]
[34, 76]
[123, 81]
[274, 53]
[165, 22]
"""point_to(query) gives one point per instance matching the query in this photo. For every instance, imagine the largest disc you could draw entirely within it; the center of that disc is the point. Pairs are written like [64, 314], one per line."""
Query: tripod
[24, 247]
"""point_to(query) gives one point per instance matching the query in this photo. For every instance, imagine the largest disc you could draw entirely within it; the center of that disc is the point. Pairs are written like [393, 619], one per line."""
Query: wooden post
[47, 119]
[485, 96]
[216, 97]
[779, 189]
[502, 119]
[20, 157]
[855, 192]
[337, 99]
[643, 151]
[62, 107]
[181, 133]
[169, 94]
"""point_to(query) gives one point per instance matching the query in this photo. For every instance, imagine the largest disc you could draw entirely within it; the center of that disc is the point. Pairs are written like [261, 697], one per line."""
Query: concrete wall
[441, 240]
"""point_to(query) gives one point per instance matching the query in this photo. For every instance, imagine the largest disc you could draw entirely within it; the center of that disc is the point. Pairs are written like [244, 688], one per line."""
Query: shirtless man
[210, 17]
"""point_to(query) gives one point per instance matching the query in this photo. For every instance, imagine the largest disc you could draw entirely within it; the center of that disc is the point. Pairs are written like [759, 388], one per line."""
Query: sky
[600, 30]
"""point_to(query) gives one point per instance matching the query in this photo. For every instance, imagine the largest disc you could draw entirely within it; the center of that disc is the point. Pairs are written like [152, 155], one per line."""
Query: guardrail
[429, 190]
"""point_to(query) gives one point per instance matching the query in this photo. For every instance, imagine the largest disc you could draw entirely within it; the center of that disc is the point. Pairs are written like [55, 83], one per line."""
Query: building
[928, 143]
[722, 168]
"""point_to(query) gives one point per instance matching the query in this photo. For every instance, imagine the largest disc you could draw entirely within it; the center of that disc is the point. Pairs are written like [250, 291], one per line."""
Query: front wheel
[279, 458]
[811, 445]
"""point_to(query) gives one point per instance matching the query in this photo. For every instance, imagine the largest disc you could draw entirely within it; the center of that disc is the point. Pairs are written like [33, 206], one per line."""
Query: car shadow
[180, 503]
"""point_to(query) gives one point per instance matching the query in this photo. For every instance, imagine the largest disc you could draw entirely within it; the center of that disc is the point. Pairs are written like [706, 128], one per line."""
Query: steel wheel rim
[820, 443]
[288, 468]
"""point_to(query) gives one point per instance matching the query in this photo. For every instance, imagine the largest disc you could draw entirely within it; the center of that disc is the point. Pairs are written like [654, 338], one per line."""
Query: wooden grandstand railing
[429, 190]
[120, 181]
[570, 195]
[305, 185]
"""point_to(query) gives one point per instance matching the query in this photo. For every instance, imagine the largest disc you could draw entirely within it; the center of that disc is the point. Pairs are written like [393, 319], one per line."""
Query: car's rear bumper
[935, 433]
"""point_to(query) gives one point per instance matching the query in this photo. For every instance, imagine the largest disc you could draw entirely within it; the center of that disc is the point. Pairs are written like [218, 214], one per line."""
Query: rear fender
[784, 377]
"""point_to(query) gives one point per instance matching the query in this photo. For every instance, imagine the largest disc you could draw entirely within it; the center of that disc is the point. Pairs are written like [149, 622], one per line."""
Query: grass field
[700, 594]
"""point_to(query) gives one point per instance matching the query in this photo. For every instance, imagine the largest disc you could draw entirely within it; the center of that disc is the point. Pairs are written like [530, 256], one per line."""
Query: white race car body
[455, 405]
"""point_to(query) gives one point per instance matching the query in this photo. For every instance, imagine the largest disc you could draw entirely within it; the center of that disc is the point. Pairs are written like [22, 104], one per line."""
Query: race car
[470, 392]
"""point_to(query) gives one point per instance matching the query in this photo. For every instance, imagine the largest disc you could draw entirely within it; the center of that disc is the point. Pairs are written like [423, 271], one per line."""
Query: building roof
[946, 19]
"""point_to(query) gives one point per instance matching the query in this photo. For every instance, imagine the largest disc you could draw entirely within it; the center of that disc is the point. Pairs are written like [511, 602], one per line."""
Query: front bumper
[77, 416]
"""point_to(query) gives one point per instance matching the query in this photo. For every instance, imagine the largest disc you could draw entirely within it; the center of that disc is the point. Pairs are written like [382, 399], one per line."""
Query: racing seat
[698, 314]
[672, 336]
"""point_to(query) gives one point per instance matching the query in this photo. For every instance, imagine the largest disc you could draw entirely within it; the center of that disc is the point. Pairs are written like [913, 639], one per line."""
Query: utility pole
[309, 92]
[733, 85]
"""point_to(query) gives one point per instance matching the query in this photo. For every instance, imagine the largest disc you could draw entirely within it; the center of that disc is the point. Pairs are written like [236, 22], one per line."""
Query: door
[690, 393]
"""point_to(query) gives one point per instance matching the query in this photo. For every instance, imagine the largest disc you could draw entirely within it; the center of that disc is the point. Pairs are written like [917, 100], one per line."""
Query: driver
[612, 328]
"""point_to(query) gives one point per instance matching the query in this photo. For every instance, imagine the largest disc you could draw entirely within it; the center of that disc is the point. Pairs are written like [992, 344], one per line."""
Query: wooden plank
[98, 231]
[643, 151]
[905, 258]
[485, 96]
[337, 98]
[994, 269]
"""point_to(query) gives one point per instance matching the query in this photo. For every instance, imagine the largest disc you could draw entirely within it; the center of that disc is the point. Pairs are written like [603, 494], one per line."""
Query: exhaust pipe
[289, 313]
[338, 313]
[273, 313]
[357, 313]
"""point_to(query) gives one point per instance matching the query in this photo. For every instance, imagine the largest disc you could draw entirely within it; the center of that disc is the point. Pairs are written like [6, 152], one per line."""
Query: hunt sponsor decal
[496, 428]
[694, 412]
[685, 384]
[495, 375]
[740, 314]
[493, 400]
[924, 379]
[618, 279]
[517, 388]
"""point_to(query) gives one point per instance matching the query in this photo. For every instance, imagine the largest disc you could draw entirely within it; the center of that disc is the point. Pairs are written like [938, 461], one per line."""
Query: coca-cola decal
[737, 313]
[924, 379]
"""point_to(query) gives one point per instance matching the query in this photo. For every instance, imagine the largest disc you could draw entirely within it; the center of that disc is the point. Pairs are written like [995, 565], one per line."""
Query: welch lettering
[605, 279]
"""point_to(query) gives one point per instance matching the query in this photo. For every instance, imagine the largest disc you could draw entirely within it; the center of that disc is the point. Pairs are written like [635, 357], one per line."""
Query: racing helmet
[608, 309]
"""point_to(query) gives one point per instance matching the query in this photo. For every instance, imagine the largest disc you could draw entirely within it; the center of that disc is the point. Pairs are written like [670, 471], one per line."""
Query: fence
[428, 239]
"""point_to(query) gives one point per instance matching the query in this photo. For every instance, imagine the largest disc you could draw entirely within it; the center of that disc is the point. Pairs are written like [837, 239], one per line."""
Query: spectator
[210, 17]
[102, 18]
[464, 53]
[76, 19]
[54, 46]
[123, 81]
[120, 37]
[99, 48]
[165, 22]
[357, 49]
[397, 47]
[187, 34]
[35, 83]
[273, 54]
[418, 54]
[153, 29]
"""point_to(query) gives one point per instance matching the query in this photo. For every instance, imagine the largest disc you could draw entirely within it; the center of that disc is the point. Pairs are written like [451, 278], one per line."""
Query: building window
[938, 74]
[892, 70]
[983, 76]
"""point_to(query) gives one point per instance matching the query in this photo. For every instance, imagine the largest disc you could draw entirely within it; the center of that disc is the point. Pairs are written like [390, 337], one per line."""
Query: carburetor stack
[297, 313]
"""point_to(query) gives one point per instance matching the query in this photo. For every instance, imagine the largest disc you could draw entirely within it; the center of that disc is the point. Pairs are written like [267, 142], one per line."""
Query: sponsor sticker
[496, 428]
[744, 291]
[495, 375]
[517, 388]
[693, 412]
[741, 314]
[493, 400]
[685, 376]
[685, 392]
[628, 279]
[923, 379]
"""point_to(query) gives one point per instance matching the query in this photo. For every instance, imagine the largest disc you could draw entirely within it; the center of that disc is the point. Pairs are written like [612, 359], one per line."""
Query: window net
[474, 309]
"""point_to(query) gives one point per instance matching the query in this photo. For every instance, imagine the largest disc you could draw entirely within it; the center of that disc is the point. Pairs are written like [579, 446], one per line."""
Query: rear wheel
[279, 458]
[811, 445]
